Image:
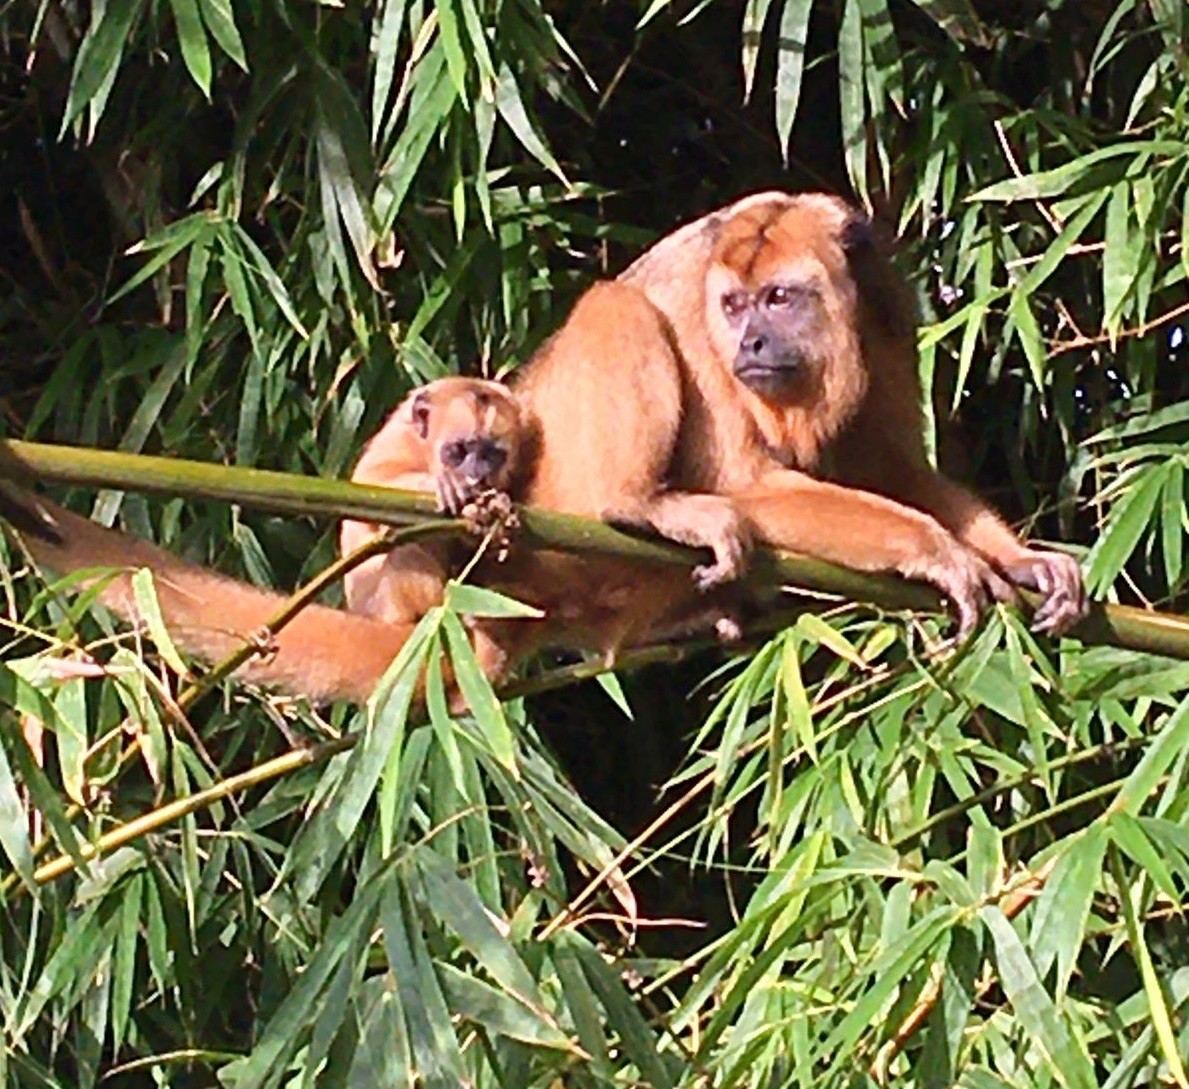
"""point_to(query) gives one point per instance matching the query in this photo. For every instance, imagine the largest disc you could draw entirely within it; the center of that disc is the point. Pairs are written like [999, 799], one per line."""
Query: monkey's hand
[969, 581]
[1057, 577]
[492, 514]
[454, 491]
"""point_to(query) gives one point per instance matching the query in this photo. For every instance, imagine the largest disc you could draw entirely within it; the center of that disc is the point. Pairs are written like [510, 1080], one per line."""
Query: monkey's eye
[734, 303]
[780, 295]
[454, 453]
[421, 416]
[493, 455]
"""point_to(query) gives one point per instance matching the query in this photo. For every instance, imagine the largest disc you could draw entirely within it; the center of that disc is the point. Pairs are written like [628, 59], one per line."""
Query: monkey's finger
[450, 497]
[965, 584]
[1057, 577]
[999, 588]
[1065, 598]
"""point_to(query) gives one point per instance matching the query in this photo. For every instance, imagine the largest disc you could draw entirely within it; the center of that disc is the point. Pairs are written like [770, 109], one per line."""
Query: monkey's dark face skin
[479, 459]
[777, 325]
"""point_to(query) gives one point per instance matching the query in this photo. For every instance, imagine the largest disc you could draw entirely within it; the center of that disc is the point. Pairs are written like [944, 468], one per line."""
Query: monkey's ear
[858, 234]
[419, 410]
[883, 290]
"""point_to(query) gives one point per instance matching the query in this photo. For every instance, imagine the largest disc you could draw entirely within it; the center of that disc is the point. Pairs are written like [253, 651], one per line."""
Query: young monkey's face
[472, 430]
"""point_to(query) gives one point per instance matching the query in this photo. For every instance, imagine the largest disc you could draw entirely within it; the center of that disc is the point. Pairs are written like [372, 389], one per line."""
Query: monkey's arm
[322, 653]
[1055, 575]
[868, 532]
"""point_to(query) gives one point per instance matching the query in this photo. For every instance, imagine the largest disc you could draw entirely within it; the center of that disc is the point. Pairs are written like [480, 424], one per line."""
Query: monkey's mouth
[778, 381]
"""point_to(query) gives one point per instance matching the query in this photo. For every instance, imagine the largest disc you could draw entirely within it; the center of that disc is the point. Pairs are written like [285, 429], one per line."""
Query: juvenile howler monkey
[456, 438]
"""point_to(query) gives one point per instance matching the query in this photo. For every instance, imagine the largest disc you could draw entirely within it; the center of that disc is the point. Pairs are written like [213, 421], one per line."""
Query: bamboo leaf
[220, 21]
[99, 54]
[479, 696]
[1157, 1006]
[511, 108]
[755, 15]
[790, 65]
[192, 39]
[1064, 1054]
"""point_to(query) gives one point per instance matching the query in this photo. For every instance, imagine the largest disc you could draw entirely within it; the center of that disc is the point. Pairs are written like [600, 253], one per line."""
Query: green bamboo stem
[286, 493]
[166, 814]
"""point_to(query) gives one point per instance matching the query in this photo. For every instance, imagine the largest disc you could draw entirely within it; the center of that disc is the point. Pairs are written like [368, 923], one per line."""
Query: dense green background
[239, 230]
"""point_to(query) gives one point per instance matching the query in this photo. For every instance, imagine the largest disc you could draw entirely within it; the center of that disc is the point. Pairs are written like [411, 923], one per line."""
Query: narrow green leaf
[796, 700]
[452, 44]
[149, 609]
[124, 961]
[477, 691]
[1056, 182]
[1126, 525]
[851, 96]
[957, 18]
[609, 683]
[1068, 237]
[14, 825]
[1157, 1006]
[1060, 913]
[346, 200]
[622, 1015]
[99, 55]
[511, 108]
[288, 1027]
[193, 230]
[1159, 755]
[192, 38]
[471, 600]
[790, 65]
[476, 1001]
[1172, 517]
[385, 43]
[1129, 836]
[1120, 259]
[1064, 1054]
[1019, 312]
[323, 838]
[220, 21]
[755, 15]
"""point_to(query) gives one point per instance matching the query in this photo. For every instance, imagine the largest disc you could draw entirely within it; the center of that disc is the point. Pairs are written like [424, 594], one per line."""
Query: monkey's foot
[727, 629]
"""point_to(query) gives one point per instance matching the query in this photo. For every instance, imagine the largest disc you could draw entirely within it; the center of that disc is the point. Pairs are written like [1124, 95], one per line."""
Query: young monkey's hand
[492, 513]
[454, 491]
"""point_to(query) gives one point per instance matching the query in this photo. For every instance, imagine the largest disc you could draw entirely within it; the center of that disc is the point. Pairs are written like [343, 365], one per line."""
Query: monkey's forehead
[457, 389]
[468, 415]
[784, 237]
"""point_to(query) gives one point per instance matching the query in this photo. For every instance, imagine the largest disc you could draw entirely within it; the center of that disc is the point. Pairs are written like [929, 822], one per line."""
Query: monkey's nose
[755, 344]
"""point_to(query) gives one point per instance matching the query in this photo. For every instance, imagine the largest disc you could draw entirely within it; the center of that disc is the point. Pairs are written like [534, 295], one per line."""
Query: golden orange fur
[752, 374]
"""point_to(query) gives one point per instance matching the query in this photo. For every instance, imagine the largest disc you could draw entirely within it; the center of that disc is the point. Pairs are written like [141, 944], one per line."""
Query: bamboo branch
[286, 493]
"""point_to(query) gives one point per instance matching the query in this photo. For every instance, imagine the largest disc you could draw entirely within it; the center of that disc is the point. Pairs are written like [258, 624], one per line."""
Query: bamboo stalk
[1113, 625]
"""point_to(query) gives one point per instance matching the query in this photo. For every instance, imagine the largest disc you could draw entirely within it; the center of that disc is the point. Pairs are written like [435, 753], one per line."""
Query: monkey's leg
[1055, 575]
[869, 532]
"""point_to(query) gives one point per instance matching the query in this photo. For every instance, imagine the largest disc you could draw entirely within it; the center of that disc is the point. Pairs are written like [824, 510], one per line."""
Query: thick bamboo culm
[286, 493]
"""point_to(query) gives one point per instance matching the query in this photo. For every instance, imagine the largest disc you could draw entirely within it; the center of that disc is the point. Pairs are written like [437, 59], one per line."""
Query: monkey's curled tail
[323, 653]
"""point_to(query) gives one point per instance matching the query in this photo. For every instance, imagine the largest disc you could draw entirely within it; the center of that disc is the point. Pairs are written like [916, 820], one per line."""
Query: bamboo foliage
[242, 231]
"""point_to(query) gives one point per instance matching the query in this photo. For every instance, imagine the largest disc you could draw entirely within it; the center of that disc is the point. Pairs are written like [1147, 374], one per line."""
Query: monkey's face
[472, 428]
[782, 301]
[482, 461]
